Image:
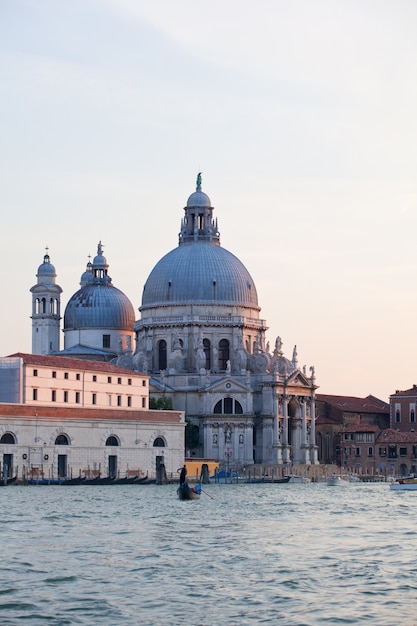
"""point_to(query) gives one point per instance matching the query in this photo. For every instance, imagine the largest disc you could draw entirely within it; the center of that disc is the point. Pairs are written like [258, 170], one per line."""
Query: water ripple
[297, 555]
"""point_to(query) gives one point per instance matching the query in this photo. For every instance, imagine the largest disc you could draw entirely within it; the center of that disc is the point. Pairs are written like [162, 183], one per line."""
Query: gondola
[185, 492]
[8, 481]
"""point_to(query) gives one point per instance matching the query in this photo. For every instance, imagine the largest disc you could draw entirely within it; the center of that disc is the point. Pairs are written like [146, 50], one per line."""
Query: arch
[162, 355]
[403, 469]
[62, 440]
[159, 443]
[37, 306]
[112, 441]
[224, 353]
[8, 438]
[228, 406]
[43, 301]
[207, 348]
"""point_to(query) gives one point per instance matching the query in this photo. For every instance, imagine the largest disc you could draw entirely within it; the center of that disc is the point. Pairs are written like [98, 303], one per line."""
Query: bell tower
[46, 309]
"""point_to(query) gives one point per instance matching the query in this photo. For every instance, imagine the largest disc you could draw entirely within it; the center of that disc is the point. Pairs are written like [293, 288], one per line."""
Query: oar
[207, 494]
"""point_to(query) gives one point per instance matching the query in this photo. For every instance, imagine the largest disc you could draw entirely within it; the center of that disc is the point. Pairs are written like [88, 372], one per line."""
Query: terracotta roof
[43, 412]
[352, 404]
[63, 362]
[407, 392]
[389, 435]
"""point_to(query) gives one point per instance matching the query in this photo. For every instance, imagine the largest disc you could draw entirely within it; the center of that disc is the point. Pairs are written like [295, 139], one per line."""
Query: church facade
[201, 341]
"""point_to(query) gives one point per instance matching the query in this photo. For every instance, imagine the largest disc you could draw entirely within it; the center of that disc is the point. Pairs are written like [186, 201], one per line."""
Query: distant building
[403, 410]
[347, 414]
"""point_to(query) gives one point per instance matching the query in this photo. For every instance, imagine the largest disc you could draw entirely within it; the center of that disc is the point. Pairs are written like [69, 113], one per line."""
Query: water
[249, 554]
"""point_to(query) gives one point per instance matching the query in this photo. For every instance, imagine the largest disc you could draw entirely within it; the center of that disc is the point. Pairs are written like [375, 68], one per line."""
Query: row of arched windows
[64, 440]
[223, 354]
[44, 306]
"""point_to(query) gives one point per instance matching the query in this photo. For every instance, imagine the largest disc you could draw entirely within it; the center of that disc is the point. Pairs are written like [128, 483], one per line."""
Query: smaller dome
[46, 269]
[100, 261]
[99, 306]
[87, 276]
[198, 198]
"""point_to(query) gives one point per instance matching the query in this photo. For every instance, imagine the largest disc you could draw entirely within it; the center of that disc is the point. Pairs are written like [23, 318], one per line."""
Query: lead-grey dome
[99, 306]
[46, 270]
[197, 199]
[199, 272]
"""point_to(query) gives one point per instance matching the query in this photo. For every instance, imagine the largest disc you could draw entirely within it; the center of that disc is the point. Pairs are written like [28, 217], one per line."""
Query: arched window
[8, 438]
[162, 355]
[37, 306]
[223, 353]
[62, 440]
[206, 346]
[228, 406]
[112, 441]
[159, 443]
[43, 305]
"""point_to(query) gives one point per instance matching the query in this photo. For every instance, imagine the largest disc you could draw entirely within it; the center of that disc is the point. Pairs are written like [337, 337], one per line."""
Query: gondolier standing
[183, 475]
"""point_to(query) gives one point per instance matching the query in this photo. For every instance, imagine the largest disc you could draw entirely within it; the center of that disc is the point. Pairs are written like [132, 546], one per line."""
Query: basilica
[200, 340]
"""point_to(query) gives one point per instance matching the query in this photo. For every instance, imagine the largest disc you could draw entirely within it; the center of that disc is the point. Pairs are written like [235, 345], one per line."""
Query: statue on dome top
[199, 180]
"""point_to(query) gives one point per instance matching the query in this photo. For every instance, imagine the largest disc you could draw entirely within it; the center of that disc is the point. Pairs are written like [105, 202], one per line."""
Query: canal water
[289, 554]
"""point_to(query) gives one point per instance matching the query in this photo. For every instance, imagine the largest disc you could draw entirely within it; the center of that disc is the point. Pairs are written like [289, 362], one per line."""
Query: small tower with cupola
[46, 309]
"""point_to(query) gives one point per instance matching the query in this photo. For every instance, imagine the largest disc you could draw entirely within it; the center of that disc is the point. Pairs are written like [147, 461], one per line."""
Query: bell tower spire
[46, 309]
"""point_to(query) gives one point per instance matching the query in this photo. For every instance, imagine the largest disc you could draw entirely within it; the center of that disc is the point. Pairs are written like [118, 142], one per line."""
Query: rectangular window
[129, 381]
[129, 400]
[77, 397]
[360, 437]
[412, 413]
[382, 452]
[119, 400]
[109, 379]
[94, 378]
[66, 375]
[106, 341]
[77, 376]
[403, 451]
[348, 436]
[65, 396]
[357, 451]
[370, 451]
[143, 383]
[34, 394]
[143, 403]
[35, 372]
[94, 398]
[53, 374]
[119, 381]
[53, 395]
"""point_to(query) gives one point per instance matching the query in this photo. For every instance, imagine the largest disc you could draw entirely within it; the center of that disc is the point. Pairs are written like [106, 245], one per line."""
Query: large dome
[199, 272]
[99, 306]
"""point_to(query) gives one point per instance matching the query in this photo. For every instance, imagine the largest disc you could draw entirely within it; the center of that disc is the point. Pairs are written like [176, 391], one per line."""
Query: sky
[301, 116]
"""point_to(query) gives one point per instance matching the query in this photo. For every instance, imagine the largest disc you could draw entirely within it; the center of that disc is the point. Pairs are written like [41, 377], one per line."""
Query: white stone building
[63, 417]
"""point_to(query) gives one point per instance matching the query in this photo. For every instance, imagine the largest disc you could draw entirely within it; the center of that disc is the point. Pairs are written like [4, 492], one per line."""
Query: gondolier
[183, 475]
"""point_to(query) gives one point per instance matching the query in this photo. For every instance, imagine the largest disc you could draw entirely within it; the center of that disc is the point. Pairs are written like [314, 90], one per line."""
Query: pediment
[226, 385]
[298, 379]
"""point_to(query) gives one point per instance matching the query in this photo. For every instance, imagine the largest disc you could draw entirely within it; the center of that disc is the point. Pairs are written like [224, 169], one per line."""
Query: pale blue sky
[301, 115]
